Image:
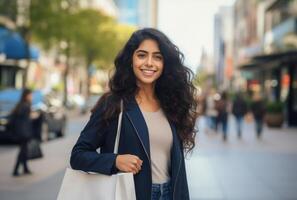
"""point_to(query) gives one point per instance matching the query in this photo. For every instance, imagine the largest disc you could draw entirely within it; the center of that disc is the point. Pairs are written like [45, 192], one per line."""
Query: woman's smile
[148, 72]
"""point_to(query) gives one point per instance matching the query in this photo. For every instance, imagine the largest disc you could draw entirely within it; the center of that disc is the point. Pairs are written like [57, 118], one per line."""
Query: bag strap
[116, 144]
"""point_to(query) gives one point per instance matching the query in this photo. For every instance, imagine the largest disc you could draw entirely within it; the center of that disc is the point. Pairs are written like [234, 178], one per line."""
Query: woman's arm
[84, 155]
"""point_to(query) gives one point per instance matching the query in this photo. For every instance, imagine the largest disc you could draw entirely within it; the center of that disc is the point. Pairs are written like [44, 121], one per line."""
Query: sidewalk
[244, 169]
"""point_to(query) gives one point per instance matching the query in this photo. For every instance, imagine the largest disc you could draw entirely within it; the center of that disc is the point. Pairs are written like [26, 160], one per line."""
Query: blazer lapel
[134, 114]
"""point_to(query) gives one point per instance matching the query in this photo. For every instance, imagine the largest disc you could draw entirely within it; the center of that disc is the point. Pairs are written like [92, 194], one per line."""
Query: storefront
[275, 75]
[14, 54]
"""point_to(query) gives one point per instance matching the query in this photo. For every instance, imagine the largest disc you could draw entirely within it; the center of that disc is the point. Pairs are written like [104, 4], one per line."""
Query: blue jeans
[239, 120]
[259, 127]
[223, 119]
[161, 191]
[212, 122]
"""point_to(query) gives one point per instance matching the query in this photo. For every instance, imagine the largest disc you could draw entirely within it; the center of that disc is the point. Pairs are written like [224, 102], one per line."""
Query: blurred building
[206, 71]
[141, 13]
[223, 47]
[247, 39]
[266, 49]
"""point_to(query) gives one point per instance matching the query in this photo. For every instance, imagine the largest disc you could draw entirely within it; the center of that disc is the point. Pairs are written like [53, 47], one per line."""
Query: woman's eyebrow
[143, 51]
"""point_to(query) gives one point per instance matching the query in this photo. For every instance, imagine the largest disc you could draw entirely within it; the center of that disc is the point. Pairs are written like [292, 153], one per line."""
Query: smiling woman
[147, 62]
[158, 119]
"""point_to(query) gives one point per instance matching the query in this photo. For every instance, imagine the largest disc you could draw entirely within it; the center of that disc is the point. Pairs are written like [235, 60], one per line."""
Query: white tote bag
[79, 185]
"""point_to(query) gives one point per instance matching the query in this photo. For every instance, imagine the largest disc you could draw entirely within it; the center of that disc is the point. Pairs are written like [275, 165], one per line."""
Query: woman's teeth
[148, 72]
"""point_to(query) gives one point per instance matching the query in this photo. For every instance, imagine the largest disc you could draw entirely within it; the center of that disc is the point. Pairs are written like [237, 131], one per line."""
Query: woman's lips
[148, 72]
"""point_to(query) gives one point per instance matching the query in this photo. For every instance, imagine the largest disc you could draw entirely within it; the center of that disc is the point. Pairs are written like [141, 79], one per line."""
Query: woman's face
[147, 62]
[29, 97]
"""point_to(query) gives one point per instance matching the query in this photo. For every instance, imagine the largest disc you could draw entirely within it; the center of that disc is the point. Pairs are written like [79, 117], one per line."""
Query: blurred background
[243, 54]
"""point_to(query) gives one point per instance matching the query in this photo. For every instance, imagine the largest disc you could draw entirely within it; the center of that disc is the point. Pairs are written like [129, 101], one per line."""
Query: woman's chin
[146, 81]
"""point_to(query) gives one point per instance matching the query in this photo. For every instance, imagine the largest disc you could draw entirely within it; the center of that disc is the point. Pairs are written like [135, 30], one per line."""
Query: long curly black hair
[174, 88]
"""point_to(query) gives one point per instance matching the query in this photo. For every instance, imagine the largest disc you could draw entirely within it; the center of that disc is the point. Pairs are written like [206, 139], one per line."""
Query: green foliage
[8, 8]
[58, 87]
[93, 39]
[91, 34]
[275, 107]
[53, 21]
[117, 37]
[99, 37]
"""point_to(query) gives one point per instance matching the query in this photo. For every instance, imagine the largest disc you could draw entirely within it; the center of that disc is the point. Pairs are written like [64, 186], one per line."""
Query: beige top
[161, 139]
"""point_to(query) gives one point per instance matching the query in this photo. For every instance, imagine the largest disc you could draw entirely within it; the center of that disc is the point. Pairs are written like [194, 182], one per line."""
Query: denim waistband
[161, 187]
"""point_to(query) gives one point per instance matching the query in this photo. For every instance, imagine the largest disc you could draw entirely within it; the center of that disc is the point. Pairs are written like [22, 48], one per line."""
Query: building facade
[223, 47]
[267, 54]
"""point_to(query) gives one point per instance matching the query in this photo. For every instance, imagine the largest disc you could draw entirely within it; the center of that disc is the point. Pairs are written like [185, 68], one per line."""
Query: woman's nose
[149, 61]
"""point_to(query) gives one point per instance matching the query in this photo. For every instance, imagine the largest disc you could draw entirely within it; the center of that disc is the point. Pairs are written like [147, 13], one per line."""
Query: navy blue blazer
[134, 140]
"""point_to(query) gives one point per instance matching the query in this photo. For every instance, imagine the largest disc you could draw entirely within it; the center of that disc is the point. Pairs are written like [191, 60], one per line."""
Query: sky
[189, 24]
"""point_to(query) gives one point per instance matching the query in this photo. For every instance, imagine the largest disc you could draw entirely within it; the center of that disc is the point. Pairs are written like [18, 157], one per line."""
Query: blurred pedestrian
[211, 111]
[22, 127]
[221, 106]
[158, 119]
[201, 101]
[239, 109]
[258, 109]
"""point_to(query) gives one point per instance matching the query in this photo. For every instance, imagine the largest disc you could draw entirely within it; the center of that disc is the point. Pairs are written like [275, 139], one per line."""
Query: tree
[53, 22]
[8, 9]
[84, 33]
[99, 38]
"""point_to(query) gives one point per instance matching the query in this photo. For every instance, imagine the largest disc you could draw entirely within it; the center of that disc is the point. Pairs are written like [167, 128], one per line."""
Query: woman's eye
[141, 55]
[159, 57]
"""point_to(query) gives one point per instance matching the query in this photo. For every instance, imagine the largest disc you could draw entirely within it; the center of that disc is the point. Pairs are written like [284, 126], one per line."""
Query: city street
[236, 169]
[234, 58]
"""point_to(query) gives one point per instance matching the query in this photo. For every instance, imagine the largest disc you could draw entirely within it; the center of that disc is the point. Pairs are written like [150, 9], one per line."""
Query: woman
[158, 120]
[22, 127]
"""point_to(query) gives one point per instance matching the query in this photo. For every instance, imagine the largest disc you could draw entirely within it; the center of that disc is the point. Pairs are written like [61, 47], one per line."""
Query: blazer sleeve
[84, 155]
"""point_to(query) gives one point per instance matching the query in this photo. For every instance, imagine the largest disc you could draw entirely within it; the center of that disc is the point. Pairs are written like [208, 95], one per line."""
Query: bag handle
[116, 144]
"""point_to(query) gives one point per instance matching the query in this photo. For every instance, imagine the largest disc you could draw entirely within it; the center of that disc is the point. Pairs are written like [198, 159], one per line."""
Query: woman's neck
[146, 92]
[146, 99]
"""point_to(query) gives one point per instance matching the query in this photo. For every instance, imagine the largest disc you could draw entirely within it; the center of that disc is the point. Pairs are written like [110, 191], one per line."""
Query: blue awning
[14, 46]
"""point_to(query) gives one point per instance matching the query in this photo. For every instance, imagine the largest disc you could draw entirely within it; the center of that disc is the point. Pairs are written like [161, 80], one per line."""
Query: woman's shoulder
[108, 102]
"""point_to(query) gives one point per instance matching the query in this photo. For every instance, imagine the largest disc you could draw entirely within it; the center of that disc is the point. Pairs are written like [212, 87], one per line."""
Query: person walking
[211, 111]
[239, 109]
[22, 127]
[221, 106]
[258, 110]
[159, 114]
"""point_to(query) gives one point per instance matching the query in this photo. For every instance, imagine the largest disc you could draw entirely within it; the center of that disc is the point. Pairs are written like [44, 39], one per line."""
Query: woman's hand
[128, 163]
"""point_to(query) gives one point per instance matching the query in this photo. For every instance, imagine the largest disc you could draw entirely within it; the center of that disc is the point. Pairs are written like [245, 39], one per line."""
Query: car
[49, 118]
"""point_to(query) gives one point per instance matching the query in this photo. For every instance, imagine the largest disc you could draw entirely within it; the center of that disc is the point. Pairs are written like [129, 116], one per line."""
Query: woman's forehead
[148, 45]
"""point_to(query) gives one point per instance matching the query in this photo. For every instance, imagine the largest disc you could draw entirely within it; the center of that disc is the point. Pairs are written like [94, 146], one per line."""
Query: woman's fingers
[137, 163]
[134, 169]
[129, 163]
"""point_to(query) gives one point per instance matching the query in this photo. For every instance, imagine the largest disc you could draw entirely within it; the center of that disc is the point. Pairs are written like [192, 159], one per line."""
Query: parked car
[49, 121]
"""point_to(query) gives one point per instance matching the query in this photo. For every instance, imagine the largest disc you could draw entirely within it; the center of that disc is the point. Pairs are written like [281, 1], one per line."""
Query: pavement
[245, 168]
[237, 169]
